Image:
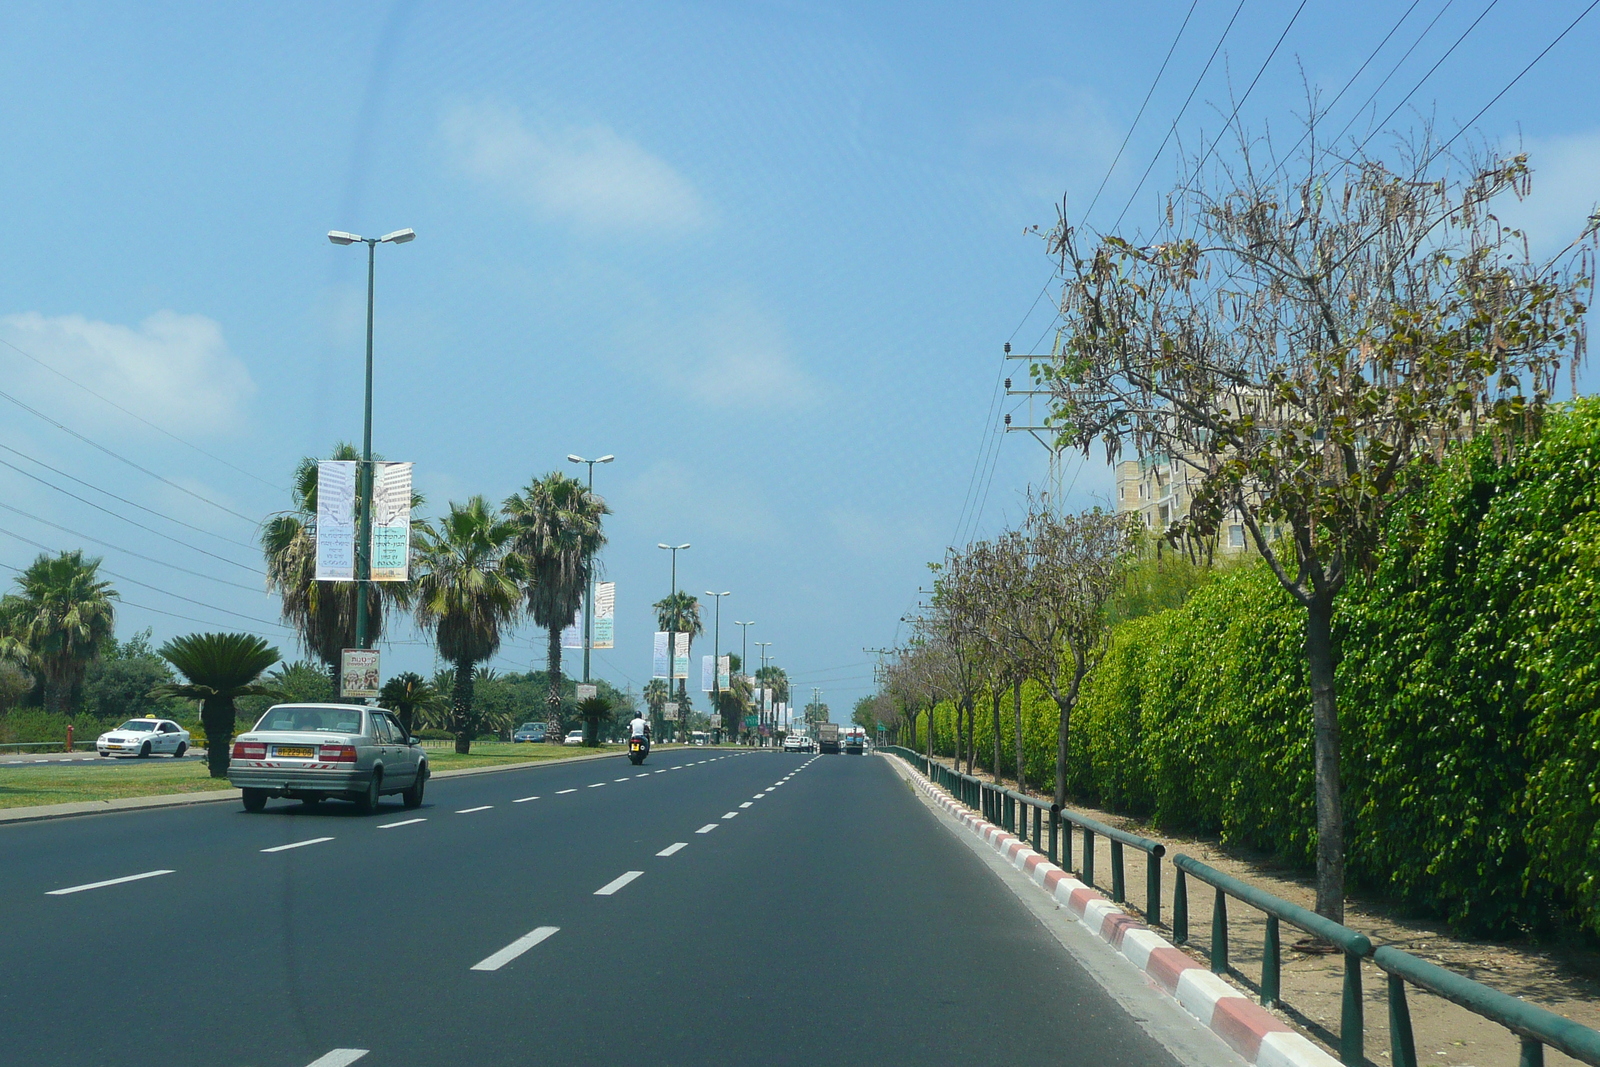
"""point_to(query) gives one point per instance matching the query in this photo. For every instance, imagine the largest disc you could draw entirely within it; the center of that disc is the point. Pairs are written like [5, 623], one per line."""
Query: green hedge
[1469, 687]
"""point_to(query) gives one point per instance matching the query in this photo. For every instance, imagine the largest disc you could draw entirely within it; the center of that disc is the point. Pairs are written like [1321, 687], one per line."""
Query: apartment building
[1159, 490]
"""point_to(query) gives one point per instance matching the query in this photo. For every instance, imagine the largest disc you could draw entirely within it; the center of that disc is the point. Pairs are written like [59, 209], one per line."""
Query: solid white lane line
[515, 949]
[102, 885]
[596, 785]
[746, 804]
[480, 807]
[523, 800]
[339, 1057]
[707, 828]
[297, 844]
[560, 791]
[617, 883]
[731, 815]
[670, 849]
[402, 822]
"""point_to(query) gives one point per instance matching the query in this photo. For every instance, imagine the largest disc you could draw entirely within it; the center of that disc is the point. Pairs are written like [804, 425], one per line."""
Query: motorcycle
[638, 749]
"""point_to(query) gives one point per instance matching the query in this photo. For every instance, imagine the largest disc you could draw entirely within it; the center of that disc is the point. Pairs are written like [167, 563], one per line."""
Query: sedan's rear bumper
[283, 781]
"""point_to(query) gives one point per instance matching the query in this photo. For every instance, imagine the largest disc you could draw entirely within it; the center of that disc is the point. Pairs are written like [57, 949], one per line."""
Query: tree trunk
[996, 695]
[1065, 702]
[461, 706]
[1016, 704]
[972, 755]
[1325, 722]
[552, 700]
[216, 715]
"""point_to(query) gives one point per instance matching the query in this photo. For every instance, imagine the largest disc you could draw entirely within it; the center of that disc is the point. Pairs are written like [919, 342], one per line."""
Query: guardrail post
[1402, 1044]
[1055, 829]
[1118, 888]
[1532, 1053]
[1270, 964]
[1011, 812]
[1036, 813]
[1219, 933]
[1088, 855]
[1352, 1028]
[1180, 908]
[1152, 889]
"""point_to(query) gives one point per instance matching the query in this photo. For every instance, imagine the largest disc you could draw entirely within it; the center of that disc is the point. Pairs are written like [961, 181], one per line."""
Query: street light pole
[744, 648]
[364, 473]
[588, 588]
[672, 620]
[716, 654]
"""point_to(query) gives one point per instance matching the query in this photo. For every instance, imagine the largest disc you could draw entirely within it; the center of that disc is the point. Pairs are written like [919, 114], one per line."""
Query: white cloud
[589, 176]
[742, 357]
[1566, 188]
[174, 370]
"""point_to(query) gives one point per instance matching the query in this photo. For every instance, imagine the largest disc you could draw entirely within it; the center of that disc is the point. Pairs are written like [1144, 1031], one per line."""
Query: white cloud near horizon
[589, 176]
[174, 370]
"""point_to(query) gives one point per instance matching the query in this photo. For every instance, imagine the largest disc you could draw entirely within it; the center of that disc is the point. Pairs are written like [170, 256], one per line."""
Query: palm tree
[411, 697]
[322, 613]
[57, 622]
[680, 613]
[220, 668]
[468, 590]
[558, 533]
[595, 710]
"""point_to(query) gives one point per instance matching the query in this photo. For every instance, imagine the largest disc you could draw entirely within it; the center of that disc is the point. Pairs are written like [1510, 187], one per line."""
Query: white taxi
[144, 737]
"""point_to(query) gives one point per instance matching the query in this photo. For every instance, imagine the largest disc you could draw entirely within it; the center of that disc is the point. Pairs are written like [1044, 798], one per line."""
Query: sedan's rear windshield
[312, 720]
[138, 724]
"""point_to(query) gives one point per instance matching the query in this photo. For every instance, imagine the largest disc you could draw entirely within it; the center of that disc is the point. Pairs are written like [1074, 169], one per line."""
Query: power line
[124, 459]
[1447, 52]
[132, 415]
[124, 518]
[127, 551]
[1179, 117]
[1394, 69]
[146, 607]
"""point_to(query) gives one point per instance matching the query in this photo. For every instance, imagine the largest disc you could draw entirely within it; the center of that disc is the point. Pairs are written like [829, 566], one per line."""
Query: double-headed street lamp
[716, 654]
[588, 591]
[672, 618]
[364, 476]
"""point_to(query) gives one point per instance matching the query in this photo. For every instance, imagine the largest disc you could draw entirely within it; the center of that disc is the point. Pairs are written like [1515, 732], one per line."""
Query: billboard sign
[669, 711]
[358, 672]
[587, 692]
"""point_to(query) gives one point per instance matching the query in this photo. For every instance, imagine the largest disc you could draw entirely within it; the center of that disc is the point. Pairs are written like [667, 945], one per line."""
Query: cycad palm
[322, 613]
[220, 669]
[468, 590]
[57, 621]
[411, 697]
[559, 532]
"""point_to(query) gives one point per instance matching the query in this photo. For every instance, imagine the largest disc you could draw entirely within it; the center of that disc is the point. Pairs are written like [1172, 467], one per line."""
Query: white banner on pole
[722, 671]
[659, 668]
[572, 634]
[706, 671]
[680, 661]
[358, 672]
[391, 522]
[605, 610]
[336, 520]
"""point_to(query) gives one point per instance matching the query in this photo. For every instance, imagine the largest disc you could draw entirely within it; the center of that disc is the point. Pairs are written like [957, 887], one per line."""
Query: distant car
[794, 743]
[309, 752]
[529, 731]
[574, 738]
[144, 737]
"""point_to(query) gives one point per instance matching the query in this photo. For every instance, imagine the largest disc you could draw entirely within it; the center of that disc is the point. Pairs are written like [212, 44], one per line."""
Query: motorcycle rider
[640, 727]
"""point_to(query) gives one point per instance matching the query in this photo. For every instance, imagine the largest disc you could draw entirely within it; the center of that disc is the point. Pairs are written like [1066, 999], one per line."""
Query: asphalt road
[716, 906]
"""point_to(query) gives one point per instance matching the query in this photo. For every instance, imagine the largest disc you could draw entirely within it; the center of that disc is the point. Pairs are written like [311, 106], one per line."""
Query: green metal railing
[1534, 1026]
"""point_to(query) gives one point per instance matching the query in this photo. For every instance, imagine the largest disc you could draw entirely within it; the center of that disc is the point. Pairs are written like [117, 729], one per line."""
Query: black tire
[413, 795]
[182, 748]
[144, 750]
[255, 800]
[367, 802]
[311, 800]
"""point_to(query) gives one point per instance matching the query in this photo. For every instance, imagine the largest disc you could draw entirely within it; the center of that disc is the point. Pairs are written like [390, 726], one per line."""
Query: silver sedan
[309, 752]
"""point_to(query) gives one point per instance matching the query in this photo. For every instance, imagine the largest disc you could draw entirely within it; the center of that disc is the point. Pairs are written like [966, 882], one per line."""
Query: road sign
[589, 692]
[749, 722]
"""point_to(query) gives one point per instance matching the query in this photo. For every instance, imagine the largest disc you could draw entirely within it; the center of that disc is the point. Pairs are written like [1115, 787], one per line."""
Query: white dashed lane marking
[523, 800]
[617, 883]
[402, 822]
[707, 828]
[480, 807]
[746, 804]
[675, 847]
[731, 815]
[108, 881]
[558, 791]
[339, 1057]
[297, 844]
[515, 949]
[596, 785]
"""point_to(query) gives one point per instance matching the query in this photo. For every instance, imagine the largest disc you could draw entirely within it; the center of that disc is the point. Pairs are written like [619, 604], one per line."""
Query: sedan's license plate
[295, 751]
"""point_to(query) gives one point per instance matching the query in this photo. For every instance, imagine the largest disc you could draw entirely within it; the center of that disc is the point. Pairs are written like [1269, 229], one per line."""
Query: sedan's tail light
[338, 754]
[249, 750]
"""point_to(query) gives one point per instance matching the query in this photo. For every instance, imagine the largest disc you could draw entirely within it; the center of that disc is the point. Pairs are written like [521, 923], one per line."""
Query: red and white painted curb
[1247, 1027]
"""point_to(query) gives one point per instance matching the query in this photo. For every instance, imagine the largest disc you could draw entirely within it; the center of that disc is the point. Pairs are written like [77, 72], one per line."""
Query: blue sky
[766, 254]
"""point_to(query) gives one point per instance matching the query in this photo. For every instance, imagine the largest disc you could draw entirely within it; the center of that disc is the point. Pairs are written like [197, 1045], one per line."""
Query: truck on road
[855, 740]
[828, 738]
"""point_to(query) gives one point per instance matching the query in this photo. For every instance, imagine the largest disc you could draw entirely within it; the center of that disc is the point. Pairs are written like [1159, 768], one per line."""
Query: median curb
[1247, 1027]
[41, 812]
